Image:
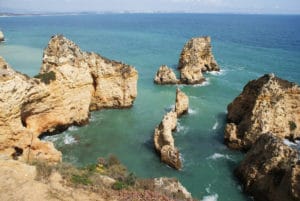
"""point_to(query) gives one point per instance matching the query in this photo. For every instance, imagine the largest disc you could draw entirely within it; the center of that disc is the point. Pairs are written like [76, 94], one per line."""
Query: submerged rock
[182, 103]
[268, 104]
[196, 57]
[271, 170]
[1, 36]
[70, 84]
[165, 75]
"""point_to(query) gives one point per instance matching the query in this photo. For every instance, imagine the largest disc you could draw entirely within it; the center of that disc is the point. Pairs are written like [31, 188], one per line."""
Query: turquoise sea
[245, 46]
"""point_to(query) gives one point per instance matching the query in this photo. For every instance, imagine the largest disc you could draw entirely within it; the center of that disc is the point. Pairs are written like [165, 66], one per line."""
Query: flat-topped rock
[270, 171]
[165, 75]
[195, 58]
[268, 104]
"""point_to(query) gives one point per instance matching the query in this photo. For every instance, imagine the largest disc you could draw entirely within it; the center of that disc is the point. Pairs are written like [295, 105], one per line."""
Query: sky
[197, 6]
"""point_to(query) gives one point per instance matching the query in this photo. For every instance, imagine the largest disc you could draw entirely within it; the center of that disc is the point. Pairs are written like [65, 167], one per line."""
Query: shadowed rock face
[268, 104]
[196, 57]
[70, 84]
[270, 171]
[182, 103]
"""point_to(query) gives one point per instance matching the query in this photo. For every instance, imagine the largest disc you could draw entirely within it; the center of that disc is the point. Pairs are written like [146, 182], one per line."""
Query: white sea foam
[205, 83]
[68, 139]
[73, 128]
[289, 143]
[215, 125]
[216, 156]
[191, 111]
[221, 72]
[213, 197]
[179, 127]
[207, 189]
[52, 138]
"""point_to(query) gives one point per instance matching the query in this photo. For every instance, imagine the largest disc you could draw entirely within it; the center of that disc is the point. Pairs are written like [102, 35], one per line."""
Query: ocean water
[245, 46]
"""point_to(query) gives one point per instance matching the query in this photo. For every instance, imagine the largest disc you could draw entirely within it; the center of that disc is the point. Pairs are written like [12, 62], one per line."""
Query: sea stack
[268, 104]
[165, 75]
[71, 83]
[1, 36]
[195, 58]
[163, 137]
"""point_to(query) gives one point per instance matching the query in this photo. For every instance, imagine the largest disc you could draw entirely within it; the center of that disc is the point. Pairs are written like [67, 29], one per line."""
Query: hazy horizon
[150, 6]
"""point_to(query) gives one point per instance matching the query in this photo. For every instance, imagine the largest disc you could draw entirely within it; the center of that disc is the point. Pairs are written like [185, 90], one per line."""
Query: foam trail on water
[205, 83]
[73, 128]
[68, 139]
[191, 111]
[215, 125]
[216, 156]
[221, 72]
[213, 197]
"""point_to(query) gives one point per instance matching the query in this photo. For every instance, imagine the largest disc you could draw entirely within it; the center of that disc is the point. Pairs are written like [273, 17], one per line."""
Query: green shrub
[81, 179]
[46, 77]
[43, 170]
[119, 185]
[293, 125]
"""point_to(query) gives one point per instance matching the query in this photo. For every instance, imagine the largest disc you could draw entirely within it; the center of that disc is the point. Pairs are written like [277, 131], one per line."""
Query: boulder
[71, 83]
[182, 103]
[196, 57]
[1, 36]
[165, 75]
[271, 170]
[268, 104]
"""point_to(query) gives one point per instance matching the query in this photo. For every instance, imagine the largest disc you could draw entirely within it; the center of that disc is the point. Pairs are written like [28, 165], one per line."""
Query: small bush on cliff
[293, 125]
[46, 77]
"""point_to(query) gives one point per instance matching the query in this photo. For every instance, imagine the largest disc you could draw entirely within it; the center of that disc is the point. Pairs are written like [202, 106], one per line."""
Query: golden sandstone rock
[70, 84]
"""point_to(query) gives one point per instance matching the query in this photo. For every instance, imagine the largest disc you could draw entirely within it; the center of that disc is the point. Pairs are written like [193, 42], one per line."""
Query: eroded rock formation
[70, 84]
[271, 170]
[165, 75]
[163, 138]
[182, 103]
[268, 104]
[196, 57]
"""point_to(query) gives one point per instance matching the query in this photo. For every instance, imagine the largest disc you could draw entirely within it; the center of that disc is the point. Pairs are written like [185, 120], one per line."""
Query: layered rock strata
[1, 36]
[165, 75]
[268, 104]
[163, 138]
[271, 170]
[70, 84]
[196, 57]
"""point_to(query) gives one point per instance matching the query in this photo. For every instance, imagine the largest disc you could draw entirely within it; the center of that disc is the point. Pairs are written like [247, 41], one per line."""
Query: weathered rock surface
[196, 57]
[70, 84]
[164, 141]
[268, 104]
[165, 75]
[172, 187]
[1, 36]
[163, 138]
[182, 103]
[270, 171]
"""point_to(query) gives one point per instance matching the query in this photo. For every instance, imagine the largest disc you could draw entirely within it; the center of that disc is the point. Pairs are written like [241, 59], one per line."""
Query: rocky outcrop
[172, 187]
[271, 170]
[182, 103]
[70, 84]
[163, 138]
[165, 75]
[1, 36]
[268, 104]
[196, 57]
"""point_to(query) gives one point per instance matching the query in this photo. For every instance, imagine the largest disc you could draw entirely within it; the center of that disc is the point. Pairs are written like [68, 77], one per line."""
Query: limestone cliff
[270, 171]
[268, 104]
[70, 84]
[196, 57]
[165, 75]
[163, 138]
